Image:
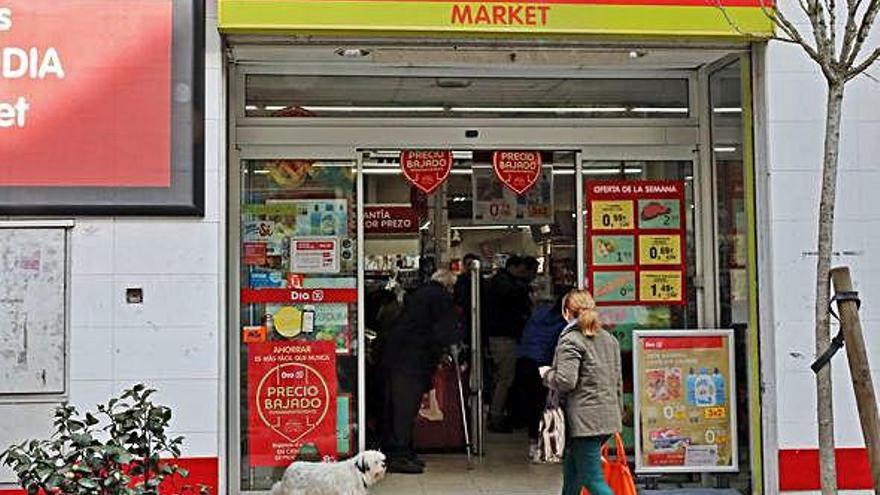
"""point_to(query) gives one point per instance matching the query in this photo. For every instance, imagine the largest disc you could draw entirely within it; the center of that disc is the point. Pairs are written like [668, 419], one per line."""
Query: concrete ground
[503, 471]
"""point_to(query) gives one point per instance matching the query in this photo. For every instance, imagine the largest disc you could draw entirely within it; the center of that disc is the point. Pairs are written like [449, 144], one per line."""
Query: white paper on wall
[33, 277]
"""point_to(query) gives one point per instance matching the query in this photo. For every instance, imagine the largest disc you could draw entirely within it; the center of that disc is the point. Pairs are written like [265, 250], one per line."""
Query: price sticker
[660, 286]
[611, 215]
[660, 249]
[714, 413]
[613, 250]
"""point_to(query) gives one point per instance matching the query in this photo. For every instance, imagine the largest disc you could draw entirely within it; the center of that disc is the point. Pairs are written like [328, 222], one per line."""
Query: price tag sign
[715, 413]
[614, 286]
[612, 215]
[660, 249]
[660, 286]
[613, 250]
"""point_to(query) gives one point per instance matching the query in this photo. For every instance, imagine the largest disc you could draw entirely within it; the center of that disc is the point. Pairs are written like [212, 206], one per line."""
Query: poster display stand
[685, 403]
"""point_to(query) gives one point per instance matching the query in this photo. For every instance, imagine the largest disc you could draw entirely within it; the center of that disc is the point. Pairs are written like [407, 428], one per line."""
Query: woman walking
[586, 373]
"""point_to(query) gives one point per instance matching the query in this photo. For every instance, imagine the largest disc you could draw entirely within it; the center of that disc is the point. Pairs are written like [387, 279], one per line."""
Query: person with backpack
[586, 372]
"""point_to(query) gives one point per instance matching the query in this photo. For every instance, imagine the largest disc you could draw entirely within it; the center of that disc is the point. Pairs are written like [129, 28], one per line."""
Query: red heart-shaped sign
[426, 169]
[518, 170]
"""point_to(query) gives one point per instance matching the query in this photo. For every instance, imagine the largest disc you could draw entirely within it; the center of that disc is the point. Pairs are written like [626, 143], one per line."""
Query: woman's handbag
[617, 473]
[551, 431]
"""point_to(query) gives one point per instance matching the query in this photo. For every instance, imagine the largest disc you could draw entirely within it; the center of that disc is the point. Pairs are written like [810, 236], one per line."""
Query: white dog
[351, 477]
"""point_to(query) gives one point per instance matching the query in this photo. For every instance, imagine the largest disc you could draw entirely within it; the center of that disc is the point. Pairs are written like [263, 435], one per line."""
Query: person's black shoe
[418, 461]
[403, 465]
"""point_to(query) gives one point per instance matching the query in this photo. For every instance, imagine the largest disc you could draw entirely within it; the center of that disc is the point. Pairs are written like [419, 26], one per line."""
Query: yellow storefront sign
[662, 249]
[657, 286]
[643, 18]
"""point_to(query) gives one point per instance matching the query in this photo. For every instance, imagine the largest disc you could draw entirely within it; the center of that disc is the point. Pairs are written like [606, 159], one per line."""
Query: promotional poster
[292, 402]
[636, 242]
[495, 204]
[685, 410]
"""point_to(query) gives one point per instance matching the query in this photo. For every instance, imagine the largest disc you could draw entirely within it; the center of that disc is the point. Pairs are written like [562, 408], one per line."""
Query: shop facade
[314, 124]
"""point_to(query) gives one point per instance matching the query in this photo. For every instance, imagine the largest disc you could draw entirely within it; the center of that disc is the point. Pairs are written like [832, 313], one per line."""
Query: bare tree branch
[786, 26]
[862, 67]
[852, 10]
[832, 27]
[864, 30]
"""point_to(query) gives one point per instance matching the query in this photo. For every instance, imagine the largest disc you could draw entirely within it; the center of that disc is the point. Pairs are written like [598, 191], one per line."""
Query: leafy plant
[117, 450]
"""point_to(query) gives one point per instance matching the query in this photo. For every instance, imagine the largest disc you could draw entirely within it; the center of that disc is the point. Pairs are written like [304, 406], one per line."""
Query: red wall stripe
[202, 471]
[799, 470]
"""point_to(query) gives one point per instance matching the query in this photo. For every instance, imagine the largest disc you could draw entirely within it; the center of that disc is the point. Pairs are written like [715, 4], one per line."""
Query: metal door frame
[334, 139]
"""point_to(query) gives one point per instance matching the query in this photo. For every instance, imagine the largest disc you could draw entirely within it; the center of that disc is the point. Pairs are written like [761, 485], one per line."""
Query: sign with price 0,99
[636, 250]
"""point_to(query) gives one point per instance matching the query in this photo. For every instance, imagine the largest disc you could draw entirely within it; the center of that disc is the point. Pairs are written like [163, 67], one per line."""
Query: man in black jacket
[413, 351]
[510, 308]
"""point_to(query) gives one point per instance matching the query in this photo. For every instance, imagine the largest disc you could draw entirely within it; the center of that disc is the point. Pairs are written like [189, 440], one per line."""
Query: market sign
[669, 18]
[391, 219]
[426, 169]
[100, 120]
[685, 407]
[292, 409]
[518, 170]
[636, 242]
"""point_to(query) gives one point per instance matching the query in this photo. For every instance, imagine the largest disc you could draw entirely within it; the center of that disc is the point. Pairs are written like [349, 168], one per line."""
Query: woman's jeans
[582, 467]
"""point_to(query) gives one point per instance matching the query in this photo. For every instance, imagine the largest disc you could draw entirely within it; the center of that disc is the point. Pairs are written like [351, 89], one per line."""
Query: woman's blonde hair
[581, 304]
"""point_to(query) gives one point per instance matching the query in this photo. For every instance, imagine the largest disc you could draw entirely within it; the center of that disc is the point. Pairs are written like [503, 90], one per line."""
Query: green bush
[117, 450]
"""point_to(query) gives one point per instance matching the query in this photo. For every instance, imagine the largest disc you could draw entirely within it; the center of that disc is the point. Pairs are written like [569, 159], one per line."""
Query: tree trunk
[824, 395]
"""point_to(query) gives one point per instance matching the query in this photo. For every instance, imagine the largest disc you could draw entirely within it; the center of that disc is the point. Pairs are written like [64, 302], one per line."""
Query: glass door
[297, 349]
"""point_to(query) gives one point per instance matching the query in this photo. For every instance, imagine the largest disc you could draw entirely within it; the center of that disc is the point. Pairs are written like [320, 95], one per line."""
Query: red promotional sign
[518, 170]
[390, 220]
[426, 169]
[291, 402]
[86, 106]
[298, 296]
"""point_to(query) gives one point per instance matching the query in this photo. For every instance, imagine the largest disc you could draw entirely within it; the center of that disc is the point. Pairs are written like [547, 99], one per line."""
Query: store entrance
[519, 250]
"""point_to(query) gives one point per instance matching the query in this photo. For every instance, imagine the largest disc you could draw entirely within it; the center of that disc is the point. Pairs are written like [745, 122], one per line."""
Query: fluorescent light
[724, 149]
[611, 171]
[274, 108]
[491, 227]
[727, 110]
[563, 171]
[538, 109]
[462, 171]
[660, 109]
[251, 107]
[355, 109]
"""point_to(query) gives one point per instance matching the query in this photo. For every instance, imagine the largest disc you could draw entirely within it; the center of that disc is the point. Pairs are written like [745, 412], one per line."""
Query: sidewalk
[503, 471]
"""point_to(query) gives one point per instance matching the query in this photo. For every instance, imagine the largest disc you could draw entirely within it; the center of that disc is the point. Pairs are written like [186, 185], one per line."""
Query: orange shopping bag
[617, 473]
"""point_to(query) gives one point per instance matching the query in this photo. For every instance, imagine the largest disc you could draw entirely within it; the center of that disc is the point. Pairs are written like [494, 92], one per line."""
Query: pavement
[504, 470]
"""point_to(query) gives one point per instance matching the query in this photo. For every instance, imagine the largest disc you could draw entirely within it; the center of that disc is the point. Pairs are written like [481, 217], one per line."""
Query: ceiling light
[356, 109]
[660, 110]
[634, 54]
[611, 171]
[727, 110]
[724, 149]
[538, 109]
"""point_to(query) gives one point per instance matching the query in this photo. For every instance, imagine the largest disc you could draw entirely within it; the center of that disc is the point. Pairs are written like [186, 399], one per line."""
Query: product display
[496, 204]
[684, 419]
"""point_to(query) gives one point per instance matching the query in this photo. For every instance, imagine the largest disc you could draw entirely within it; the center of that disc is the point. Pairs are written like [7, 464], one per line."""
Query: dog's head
[371, 465]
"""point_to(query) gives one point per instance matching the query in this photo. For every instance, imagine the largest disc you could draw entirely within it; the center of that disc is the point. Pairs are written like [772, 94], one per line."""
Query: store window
[464, 97]
[641, 252]
[298, 348]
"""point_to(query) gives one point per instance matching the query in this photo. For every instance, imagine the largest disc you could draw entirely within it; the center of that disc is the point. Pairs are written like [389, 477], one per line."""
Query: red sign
[81, 106]
[426, 169]
[390, 220]
[255, 253]
[518, 170]
[636, 242]
[300, 296]
[675, 343]
[291, 402]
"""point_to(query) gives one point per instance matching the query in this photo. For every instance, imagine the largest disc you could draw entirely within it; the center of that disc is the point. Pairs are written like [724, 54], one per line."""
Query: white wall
[796, 97]
[173, 340]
